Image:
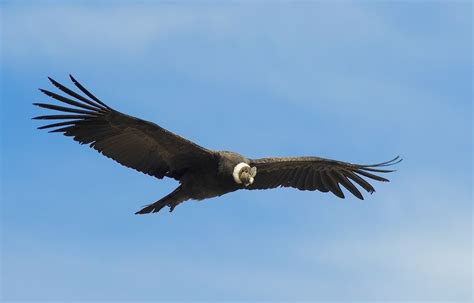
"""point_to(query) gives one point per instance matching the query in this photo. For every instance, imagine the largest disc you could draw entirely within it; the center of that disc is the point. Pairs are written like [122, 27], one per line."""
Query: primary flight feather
[202, 173]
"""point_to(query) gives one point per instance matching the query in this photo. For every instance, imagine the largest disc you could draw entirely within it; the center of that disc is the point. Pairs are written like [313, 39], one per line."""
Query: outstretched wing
[130, 141]
[313, 173]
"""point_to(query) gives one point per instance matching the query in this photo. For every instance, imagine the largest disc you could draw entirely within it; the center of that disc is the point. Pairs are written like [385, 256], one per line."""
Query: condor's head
[244, 174]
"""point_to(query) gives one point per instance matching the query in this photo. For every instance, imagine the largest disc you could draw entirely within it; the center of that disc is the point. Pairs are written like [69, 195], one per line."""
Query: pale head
[244, 174]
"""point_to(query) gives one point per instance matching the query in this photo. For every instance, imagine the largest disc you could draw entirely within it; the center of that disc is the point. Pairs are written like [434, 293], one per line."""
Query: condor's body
[213, 179]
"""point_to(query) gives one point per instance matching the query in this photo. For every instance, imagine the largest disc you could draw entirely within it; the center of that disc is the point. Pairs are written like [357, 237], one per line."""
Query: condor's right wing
[313, 173]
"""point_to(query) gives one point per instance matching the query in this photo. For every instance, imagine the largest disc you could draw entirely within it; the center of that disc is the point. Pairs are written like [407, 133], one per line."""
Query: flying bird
[202, 173]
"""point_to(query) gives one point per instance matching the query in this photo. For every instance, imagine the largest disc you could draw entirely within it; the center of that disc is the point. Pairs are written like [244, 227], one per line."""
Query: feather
[325, 181]
[301, 178]
[364, 184]
[276, 179]
[63, 130]
[318, 182]
[347, 184]
[308, 181]
[60, 124]
[283, 178]
[371, 176]
[394, 161]
[69, 101]
[65, 109]
[54, 117]
[335, 189]
[85, 91]
[75, 95]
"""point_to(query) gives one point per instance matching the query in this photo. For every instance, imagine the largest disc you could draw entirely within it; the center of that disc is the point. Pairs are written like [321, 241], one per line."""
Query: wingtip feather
[54, 82]
[72, 78]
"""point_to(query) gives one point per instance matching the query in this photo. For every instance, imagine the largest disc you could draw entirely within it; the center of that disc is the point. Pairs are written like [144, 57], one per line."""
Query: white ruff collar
[236, 171]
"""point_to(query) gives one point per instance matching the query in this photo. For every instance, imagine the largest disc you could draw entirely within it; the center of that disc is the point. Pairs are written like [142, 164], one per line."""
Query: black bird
[202, 173]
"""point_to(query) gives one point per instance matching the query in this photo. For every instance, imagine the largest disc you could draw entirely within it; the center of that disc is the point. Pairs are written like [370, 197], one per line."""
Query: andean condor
[202, 173]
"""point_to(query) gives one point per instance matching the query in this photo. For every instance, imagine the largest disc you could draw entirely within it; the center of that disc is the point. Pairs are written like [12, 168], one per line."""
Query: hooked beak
[247, 179]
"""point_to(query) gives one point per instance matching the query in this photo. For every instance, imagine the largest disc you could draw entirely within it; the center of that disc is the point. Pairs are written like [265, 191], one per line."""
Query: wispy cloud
[421, 250]
[72, 30]
[334, 70]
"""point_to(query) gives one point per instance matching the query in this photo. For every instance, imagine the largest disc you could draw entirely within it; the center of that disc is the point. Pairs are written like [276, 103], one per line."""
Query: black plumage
[202, 173]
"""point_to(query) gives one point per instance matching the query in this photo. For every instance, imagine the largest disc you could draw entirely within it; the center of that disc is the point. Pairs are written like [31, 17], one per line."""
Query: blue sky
[354, 81]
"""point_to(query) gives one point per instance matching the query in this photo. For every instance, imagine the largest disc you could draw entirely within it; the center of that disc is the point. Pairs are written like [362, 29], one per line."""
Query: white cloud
[306, 52]
[422, 250]
[71, 30]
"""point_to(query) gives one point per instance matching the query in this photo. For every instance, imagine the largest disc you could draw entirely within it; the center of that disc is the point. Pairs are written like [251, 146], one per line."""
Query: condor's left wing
[132, 142]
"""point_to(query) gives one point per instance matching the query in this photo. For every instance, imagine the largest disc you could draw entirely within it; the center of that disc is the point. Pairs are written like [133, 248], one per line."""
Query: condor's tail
[172, 200]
